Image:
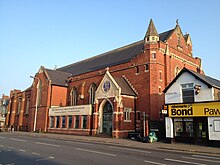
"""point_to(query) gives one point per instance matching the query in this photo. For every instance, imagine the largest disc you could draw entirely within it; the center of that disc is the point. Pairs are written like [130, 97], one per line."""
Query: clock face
[106, 86]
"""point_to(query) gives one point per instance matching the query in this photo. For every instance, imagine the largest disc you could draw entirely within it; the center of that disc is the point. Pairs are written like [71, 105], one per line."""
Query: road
[24, 149]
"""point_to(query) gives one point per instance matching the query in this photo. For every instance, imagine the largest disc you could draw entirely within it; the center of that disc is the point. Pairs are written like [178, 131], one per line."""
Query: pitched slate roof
[125, 87]
[58, 77]
[114, 57]
[209, 81]
[165, 35]
[111, 58]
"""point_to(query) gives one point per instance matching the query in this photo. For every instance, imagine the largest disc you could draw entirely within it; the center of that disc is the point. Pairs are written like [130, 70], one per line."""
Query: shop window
[183, 127]
[189, 128]
[77, 122]
[58, 122]
[92, 90]
[187, 93]
[178, 126]
[84, 122]
[70, 118]
[127, 114]
[63, 121]
[52, 122]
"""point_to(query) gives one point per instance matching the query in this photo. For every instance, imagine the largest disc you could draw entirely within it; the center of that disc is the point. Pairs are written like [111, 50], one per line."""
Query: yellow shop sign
[194, 109]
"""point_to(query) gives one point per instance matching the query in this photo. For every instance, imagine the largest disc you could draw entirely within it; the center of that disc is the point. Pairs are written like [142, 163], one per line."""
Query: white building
[193, 104]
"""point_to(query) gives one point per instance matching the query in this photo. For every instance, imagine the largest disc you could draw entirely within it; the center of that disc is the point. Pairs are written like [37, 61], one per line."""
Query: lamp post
[37, 101]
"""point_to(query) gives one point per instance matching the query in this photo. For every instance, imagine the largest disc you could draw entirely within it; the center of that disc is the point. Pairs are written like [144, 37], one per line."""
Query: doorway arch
[106, 117]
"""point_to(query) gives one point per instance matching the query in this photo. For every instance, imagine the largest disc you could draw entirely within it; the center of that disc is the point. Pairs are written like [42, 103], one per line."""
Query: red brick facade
[147, 74]
[18, 110]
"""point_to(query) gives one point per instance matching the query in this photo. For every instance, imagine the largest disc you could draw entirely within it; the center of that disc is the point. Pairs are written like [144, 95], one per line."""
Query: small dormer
[151, 35]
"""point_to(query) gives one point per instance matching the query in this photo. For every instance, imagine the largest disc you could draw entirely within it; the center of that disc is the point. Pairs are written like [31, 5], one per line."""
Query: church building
[115, 93]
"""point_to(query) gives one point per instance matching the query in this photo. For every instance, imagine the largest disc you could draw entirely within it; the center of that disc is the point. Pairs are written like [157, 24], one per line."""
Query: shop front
[197, 123]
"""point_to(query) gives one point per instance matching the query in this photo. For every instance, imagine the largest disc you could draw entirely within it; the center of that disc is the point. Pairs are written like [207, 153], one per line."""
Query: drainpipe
[48, 107]
[135, 111]
[91, 120]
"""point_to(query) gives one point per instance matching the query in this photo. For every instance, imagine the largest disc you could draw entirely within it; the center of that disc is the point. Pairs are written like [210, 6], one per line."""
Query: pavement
[177, 147]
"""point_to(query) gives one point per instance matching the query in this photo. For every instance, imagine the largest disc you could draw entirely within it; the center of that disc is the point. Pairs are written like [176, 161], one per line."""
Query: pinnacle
[151, 31]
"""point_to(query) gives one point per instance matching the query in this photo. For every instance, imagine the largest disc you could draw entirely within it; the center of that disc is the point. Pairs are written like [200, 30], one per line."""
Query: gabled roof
[210, 82]
[111, 58]
[58, 77]
[108, 59]
[125, 87]
[114, 57]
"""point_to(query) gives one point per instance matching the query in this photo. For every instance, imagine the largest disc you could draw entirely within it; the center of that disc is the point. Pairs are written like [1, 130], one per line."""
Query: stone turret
[151, 35]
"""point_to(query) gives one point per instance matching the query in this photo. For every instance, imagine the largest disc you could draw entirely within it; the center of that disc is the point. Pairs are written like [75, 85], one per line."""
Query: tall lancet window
[92, 90]
[74, 96]
[19, 105]
[39, 92]
[178, 39]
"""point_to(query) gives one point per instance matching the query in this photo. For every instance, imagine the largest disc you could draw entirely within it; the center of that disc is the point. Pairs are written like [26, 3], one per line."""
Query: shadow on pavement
[11, 157]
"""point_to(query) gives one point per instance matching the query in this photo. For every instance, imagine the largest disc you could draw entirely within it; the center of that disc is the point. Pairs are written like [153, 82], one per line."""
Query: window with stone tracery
[92, 90]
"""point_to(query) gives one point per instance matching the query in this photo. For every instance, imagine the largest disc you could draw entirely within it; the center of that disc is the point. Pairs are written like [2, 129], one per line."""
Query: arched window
[178, 39]
[74, 96]
[176, 71]
[39, 92]
[92, 90]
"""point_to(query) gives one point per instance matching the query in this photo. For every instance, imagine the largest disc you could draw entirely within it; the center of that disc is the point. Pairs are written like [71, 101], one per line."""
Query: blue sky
[51, 33]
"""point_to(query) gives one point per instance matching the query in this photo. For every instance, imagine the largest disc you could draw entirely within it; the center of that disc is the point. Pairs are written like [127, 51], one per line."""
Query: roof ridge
[57, 71]
[209, 80]
[102, 54]
[167, 31]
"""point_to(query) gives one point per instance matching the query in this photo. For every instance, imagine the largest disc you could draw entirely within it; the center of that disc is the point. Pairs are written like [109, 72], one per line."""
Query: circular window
[106, 86]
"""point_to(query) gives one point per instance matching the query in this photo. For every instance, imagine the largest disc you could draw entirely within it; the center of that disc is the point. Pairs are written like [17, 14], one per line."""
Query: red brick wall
[146, 83]
[18, 120]
[42, 113]
[59, 96]
[12, 108]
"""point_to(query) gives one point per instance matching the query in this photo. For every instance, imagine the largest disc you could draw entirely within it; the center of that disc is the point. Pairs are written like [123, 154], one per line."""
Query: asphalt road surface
[29, 150]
